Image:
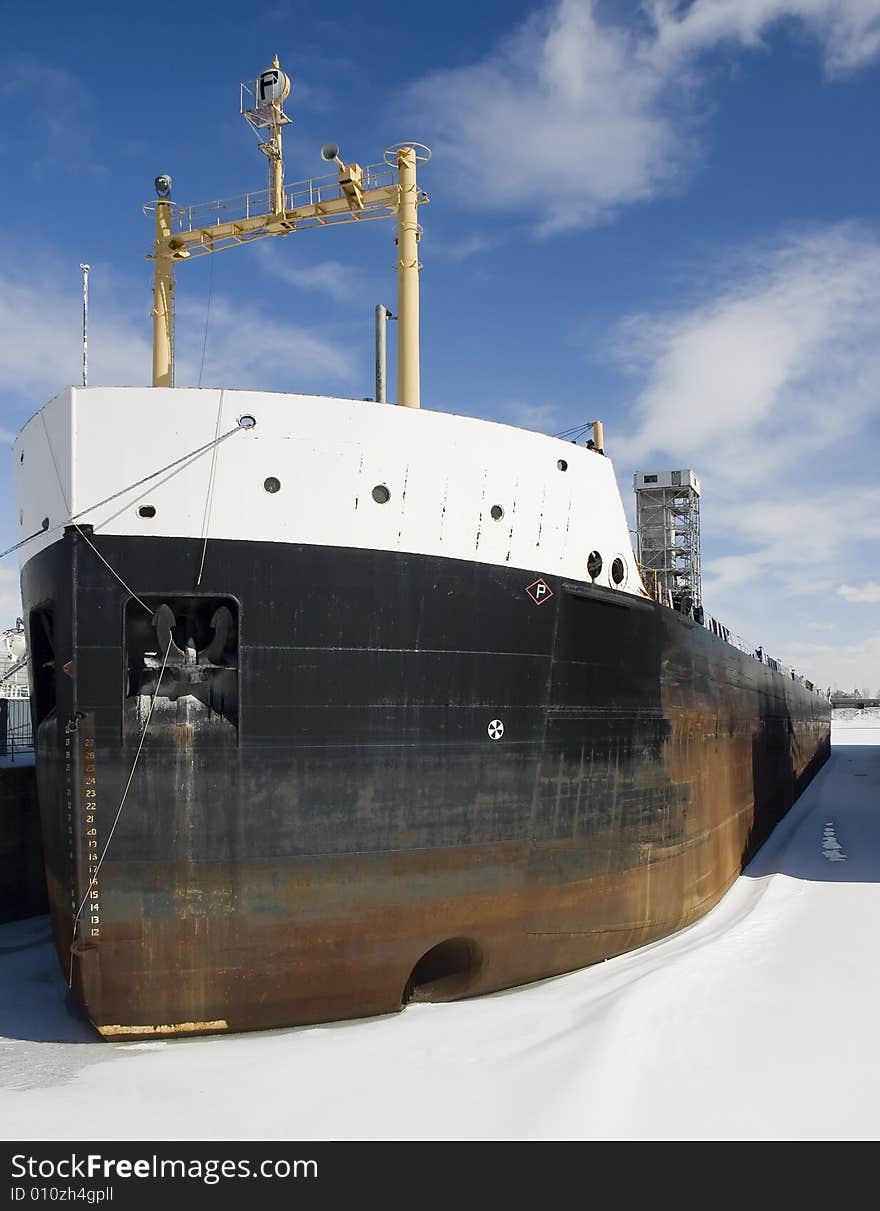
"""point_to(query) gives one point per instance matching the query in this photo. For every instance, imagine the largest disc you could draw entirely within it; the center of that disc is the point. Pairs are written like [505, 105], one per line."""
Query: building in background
[668, 525]
[14, 662]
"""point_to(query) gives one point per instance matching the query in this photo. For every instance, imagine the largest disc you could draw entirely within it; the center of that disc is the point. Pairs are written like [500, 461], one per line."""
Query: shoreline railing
[16, 732]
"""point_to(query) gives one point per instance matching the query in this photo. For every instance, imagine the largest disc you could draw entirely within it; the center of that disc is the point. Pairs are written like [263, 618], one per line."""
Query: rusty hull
[292, 861]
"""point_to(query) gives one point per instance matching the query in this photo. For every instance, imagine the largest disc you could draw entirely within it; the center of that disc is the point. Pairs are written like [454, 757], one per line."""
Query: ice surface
[758, 1022]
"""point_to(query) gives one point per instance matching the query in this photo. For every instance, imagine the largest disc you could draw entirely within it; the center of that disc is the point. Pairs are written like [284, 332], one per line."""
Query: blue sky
[663, 214]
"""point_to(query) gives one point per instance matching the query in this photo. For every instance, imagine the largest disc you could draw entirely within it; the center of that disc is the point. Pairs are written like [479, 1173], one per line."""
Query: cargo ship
[340, 704]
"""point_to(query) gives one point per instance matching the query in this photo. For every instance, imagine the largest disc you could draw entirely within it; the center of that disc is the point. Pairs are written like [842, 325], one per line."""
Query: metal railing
[16, 732]
[313, 192]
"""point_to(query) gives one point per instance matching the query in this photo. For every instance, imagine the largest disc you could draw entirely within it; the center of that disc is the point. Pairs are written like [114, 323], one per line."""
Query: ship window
[562, 465]
[45, 523]
[247, 421]
[272, 484]
[650, 479]
[21, 457]
[147, 511]
[381, 495]
[496, 512]
[594, 564]
[618, 570]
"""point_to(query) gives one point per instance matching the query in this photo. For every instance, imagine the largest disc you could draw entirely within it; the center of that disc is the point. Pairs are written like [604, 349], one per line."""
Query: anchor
[196, 661]
[221, 625]
[163, 621]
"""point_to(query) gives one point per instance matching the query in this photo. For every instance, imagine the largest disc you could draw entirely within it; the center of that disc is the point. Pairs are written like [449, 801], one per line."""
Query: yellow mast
[163, 290]
[407, 280]
[357, 194]
[273, 88]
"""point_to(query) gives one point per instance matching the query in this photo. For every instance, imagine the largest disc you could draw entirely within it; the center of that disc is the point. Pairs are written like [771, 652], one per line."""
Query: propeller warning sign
[539, 591]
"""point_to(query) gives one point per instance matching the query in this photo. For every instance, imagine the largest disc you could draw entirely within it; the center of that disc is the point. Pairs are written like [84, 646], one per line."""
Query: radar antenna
[266, 117]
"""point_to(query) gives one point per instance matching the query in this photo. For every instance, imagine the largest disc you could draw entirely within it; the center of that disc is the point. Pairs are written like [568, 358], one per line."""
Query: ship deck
[757, 1022]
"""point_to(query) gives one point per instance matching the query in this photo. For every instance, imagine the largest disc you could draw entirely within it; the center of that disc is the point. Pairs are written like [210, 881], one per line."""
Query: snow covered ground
[758, 1022]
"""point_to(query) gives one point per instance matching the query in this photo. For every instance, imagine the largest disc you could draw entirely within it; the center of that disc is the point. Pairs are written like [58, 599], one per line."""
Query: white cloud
[572, 115]
[248, 349]
[41, 319]
[464, 248]
[798, 542]
[782, 357]
[561, 120]
[849, 30]
[541, 417]
[57, 128]
[341, 282]
[767, 384]
[843, 665]
[869, 592]
[41, 350]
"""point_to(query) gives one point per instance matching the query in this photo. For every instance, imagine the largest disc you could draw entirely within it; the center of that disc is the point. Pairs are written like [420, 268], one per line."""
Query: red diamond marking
[539, 591]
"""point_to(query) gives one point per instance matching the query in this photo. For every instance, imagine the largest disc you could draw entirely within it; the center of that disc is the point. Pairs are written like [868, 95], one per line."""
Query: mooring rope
[93, 880]
[54, 463]
[113, 571]
[209, 499]
[218, 438]
[576, 431]
[25, 541]
[207, 319]
[168, 467]
[122, 491]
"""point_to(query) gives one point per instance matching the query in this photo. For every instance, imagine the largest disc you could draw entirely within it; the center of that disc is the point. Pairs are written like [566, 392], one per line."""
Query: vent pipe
[383, 315]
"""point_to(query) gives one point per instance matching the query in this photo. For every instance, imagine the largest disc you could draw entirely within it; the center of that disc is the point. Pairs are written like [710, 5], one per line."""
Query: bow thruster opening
[444, 972]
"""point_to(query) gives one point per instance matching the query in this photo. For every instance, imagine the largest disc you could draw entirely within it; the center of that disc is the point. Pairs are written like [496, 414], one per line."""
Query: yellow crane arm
[352, 203]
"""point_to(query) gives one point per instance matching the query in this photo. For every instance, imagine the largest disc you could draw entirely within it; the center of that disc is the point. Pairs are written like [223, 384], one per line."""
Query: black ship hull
[370, 776]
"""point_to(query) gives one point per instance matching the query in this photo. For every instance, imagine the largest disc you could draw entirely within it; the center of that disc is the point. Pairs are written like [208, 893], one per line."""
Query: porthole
[247, 421]
[381, 495]
[594, 564]
[272, 484]
[21, 457]
[496, 512]
[147, 511]
[562, 465]
[618, 570]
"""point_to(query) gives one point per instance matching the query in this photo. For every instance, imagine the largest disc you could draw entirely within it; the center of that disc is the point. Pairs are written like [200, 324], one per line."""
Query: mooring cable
[72, 520]
[122, 491]
[168, 466]
[25, 541]
[54, 463]
[215, 442]
[207, 319]
[112, 571]
[209, 499]
[93, 880]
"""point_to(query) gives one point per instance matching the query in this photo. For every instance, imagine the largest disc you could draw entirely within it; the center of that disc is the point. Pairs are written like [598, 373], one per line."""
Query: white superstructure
[319, 470]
